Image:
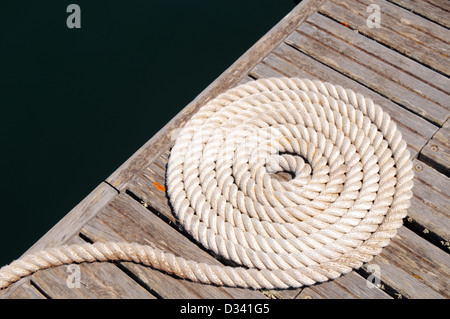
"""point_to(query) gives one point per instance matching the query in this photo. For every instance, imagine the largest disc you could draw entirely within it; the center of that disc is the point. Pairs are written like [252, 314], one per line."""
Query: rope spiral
[350, 189]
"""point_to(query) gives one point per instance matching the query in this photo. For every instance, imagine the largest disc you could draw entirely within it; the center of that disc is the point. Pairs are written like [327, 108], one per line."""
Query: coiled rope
[350, 191]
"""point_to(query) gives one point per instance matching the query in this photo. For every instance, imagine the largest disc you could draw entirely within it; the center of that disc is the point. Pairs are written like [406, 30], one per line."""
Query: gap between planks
[346, 52]
[426, 10]
[395, 33]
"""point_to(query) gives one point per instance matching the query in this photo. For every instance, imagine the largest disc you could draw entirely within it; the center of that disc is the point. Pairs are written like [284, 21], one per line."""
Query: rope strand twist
[351, 187]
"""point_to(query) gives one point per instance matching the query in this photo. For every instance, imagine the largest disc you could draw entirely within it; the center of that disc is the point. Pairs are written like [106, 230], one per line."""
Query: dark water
[76, 103]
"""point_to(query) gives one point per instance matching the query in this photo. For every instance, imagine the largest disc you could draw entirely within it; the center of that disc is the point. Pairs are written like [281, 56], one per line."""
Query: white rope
[350, 191]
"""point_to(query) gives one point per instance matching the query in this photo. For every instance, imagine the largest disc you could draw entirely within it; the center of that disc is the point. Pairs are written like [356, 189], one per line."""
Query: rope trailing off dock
[351, 187]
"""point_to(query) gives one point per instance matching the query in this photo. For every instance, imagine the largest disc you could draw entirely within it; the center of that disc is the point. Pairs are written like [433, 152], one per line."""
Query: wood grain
[407, 33]
[349, 286]
[422, 80]
[352, 54]
[430, 205]
[23, 291]
[143, 186]
[97, 281]
[414, 267]
[437, 12]
[437, 151]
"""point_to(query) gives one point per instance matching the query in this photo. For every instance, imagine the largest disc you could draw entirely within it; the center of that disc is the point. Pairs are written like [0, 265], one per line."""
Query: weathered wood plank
[437, 151]
[151, 196]
[228, 79]
[363, 67]
[349, 286]
[430, 205]
[412, 26]
[97, 280]
[429, 10]
[400, 29]
[125, 219]
[287, 61]
[144, 186]
[23, 291]
[414, 267]
[443, 4]
[397, 67]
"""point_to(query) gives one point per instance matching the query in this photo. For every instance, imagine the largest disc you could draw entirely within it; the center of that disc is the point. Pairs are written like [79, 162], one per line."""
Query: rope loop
[349, 188]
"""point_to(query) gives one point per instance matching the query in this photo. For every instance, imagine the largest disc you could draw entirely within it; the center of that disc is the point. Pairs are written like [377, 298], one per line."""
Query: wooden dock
[404, 66]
